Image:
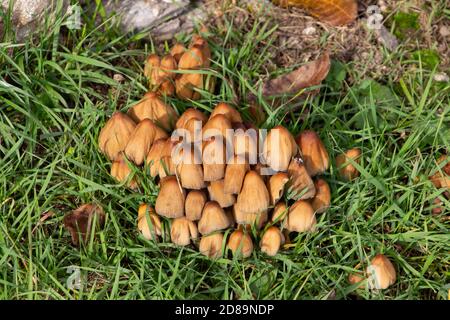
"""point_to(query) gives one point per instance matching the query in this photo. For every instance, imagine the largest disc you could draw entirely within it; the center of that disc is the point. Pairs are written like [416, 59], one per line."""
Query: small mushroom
[217, 193]
[213, 219]
[149, 226]
[300, 183]
[276, 186]
[153, 108]
[240, 243]
[271, 241]
[279, 214]
[141, 140]
[234, 175]
[170, 200]
[314, 154]
[211, 245]
[214, 159]
[254, 196]
[177, 51]
[228, 111]
[279, 148]
[183, 231]
[301, 217]
[189, 169]
[381, 273]
[346, 169]
[195, 201]
[115, 134]
[322, 199]
[121, 171]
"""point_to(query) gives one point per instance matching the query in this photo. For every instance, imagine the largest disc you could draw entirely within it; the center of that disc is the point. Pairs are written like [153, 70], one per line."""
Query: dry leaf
[308, 75]
[334, 12]
[79, 222]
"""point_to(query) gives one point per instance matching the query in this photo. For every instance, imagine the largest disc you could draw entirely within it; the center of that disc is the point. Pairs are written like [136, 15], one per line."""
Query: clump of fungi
[215, 171]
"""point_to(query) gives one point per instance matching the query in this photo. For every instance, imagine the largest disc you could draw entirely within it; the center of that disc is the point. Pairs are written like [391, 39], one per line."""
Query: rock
[164, 18]
[27, 14]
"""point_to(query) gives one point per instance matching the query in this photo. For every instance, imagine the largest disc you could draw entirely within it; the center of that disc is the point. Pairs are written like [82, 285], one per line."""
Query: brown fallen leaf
[79, 221]
[308, 75]
[334, 12]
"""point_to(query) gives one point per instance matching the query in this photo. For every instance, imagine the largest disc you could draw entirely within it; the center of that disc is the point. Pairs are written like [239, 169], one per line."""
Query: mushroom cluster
[217, 173]
[182, 71]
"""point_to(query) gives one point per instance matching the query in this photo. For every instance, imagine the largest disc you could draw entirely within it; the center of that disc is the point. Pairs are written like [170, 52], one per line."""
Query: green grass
[56, 92]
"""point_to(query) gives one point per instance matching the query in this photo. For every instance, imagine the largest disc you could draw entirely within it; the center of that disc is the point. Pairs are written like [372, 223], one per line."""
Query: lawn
[58, 89]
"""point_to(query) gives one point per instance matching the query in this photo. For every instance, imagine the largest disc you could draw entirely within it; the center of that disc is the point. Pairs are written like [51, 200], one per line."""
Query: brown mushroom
[115, 134]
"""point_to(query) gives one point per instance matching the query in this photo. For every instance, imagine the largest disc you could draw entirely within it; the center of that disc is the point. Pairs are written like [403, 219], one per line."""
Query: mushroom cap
[192, 59]
[228, 111]
[167, 88]
[213, 218]
[152, 107]
[168, 66]
[121, 171]
[141, 140]
[217, 193]
[279, 148]
[200, 43]
[300, 182]
[214, 159]
[152, 68]
[170, 200]
[276, 186]
[250, 219]
[322, 199]
[154, 156]
[279, 214]
[271, 241]
[254, 196]
[189, 169]
[240, 243]
[114, 136]
[381, 273]
[211, 245]
[195, 201]
[190, 114]
[218, 125]
[234, 175]
[177, 51]
[314, 154]
[348, 171]
[186, 83]
[151, 227]
[245, 143]
[301, 217]
[183, 231]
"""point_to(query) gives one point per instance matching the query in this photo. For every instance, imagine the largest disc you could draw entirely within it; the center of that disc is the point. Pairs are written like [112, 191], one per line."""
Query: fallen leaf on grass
[334, 12]
[308, 75]
[79, 221]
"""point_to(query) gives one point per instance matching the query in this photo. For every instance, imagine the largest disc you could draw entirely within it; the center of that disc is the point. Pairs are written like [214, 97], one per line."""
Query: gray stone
[163, 18]
[27, 14]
